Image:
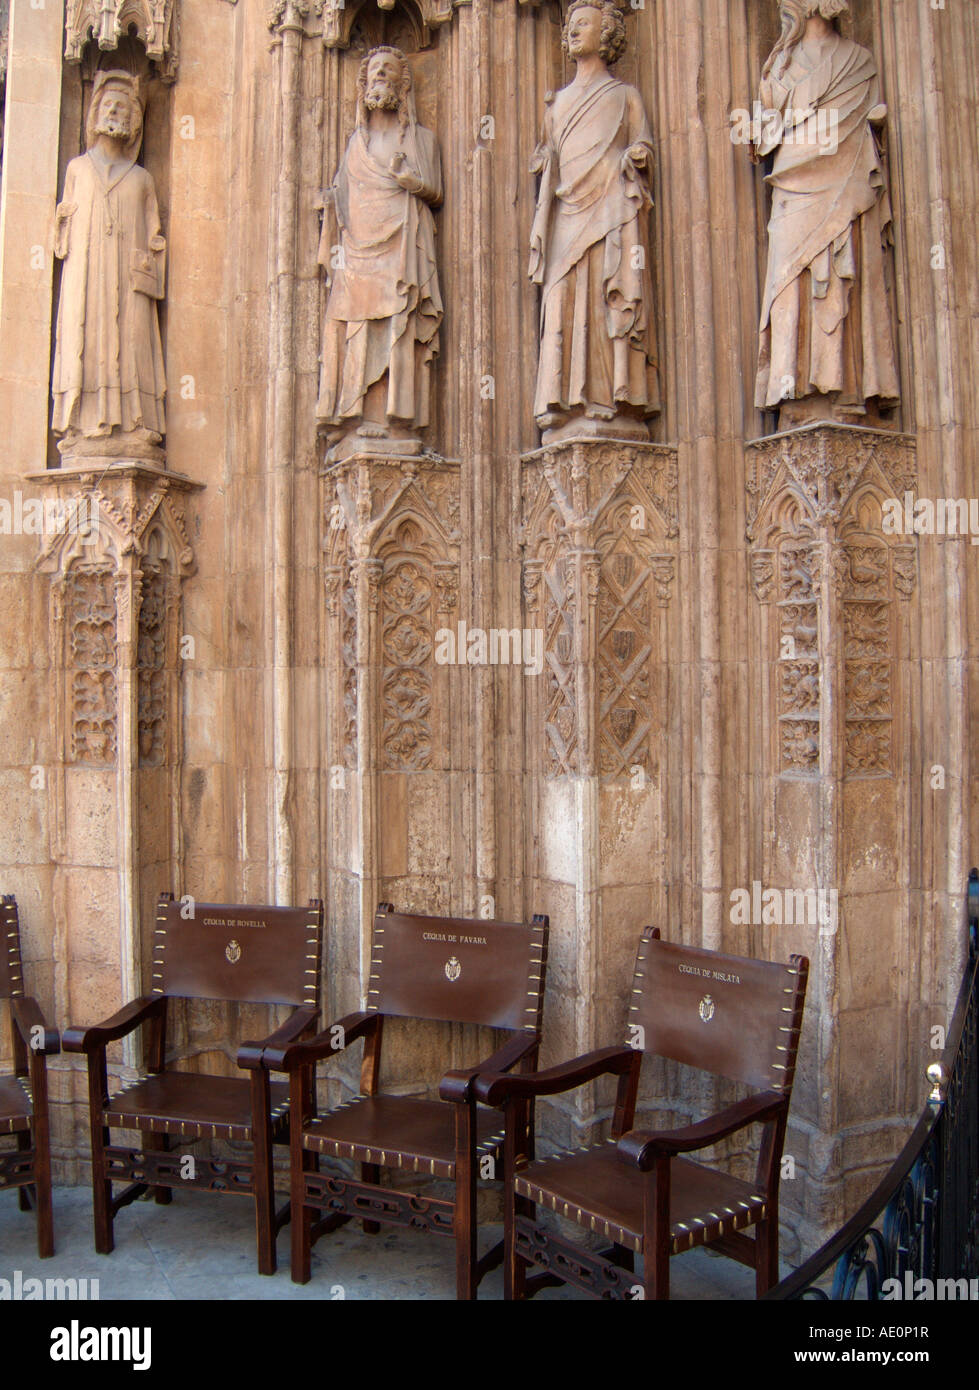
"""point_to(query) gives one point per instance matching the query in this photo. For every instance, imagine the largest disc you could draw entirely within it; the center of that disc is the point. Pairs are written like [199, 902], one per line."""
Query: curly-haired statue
[590, 243]
[384, 309]
[826, 337]
[109, 383]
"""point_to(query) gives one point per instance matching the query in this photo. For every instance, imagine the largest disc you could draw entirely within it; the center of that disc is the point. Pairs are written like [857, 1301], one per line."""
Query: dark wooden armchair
[444, 968]
[24, 1096]
[736, 1018]
[260, 955]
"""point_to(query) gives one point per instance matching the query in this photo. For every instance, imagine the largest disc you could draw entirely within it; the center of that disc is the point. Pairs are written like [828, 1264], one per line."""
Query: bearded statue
[381, 333]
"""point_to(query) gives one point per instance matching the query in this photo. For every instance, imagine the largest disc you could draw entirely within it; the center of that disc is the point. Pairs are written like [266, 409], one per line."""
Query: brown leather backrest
[256, 955]
[735, 1017]
[11, 981]
[458, 970]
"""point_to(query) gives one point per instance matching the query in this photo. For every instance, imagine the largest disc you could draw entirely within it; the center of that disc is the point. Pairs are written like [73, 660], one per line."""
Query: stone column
[600, 551]
[117, 552]
[831, 633]
[391, 554]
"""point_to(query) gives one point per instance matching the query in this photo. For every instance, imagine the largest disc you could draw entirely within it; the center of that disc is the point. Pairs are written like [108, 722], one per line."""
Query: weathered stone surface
[668, 752]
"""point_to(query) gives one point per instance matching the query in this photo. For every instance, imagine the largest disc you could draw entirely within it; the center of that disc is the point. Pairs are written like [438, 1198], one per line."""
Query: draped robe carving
[825, 323]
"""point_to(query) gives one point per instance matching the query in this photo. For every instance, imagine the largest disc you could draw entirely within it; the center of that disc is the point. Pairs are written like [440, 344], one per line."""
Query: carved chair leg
[370, 1173]
[301, 1217]
[766, 1255]
[101, 1190]
[99, 1134]
[263, 1176]
[467, 1272]
[42, 1173]
[518, 1141]
[656, 1231]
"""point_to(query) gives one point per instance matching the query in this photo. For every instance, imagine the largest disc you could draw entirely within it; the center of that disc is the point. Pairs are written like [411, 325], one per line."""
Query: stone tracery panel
[407, 619]
[598, 568]
[814, 498]
[625, 651]
[151, 657]
[561, 711]
[391, 576]
[90, 620]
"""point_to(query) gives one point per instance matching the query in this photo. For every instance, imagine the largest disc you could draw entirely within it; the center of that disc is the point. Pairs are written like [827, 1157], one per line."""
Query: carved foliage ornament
[115, 595]
[392, 549]
[90, 614]
[151, 646]
[814, 508]
[107, 21]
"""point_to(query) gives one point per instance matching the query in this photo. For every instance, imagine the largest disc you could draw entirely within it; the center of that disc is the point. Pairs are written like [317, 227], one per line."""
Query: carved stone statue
[589, 247]
[384, 310]
[826, 346]
[109, 382]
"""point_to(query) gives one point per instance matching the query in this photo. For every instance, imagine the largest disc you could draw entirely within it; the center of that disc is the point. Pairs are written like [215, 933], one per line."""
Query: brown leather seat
[448, 969]
[732, 1017]
[400, 1132]
[595, 1188]
[193, 1106]
[226, 951]
[15, 1105]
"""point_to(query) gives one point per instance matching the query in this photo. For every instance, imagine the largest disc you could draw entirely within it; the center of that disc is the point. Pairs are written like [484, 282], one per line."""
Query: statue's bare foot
[599, 412]
[551, 420]
[371, 430]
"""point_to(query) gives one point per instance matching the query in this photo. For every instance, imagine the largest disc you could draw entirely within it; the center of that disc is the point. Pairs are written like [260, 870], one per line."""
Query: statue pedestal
[352, 445]
[116, 545]
[624, 429]
[831, 640]
[134, 447]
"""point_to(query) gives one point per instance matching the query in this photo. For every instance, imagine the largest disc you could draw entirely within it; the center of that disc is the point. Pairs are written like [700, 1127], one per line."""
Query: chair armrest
[129, 1017]
[458, 1085]
[496, 1089]
[640, 1149]
[252, 1054]
[325, 1044]
[26, 1013]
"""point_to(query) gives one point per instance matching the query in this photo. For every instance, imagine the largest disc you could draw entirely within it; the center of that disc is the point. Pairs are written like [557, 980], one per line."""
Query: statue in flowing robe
[382, 319]
[109, 383]
[826, 335]
[597, 371]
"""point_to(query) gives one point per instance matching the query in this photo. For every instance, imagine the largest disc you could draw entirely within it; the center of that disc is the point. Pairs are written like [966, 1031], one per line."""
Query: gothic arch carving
[392, 574]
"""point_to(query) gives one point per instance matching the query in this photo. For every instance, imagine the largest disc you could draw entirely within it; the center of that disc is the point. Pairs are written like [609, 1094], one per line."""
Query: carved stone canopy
[115, 509]
[108, 21]
[338, 17]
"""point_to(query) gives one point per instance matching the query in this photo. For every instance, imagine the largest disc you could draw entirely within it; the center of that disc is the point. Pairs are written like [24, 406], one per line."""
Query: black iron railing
[922, 1219]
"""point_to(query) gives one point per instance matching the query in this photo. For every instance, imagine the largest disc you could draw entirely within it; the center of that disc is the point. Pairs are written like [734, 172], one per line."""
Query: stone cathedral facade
[504, 424]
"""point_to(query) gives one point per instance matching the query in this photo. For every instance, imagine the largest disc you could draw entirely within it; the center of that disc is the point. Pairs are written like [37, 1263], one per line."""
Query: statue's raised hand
[403, 172]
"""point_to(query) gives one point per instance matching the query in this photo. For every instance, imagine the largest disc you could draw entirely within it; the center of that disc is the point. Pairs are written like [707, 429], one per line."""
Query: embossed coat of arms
[452, 969]
[233, 952]
[706, 1008]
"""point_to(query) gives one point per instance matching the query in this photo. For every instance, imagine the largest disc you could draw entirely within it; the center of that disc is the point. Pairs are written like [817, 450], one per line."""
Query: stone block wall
[275, 735]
